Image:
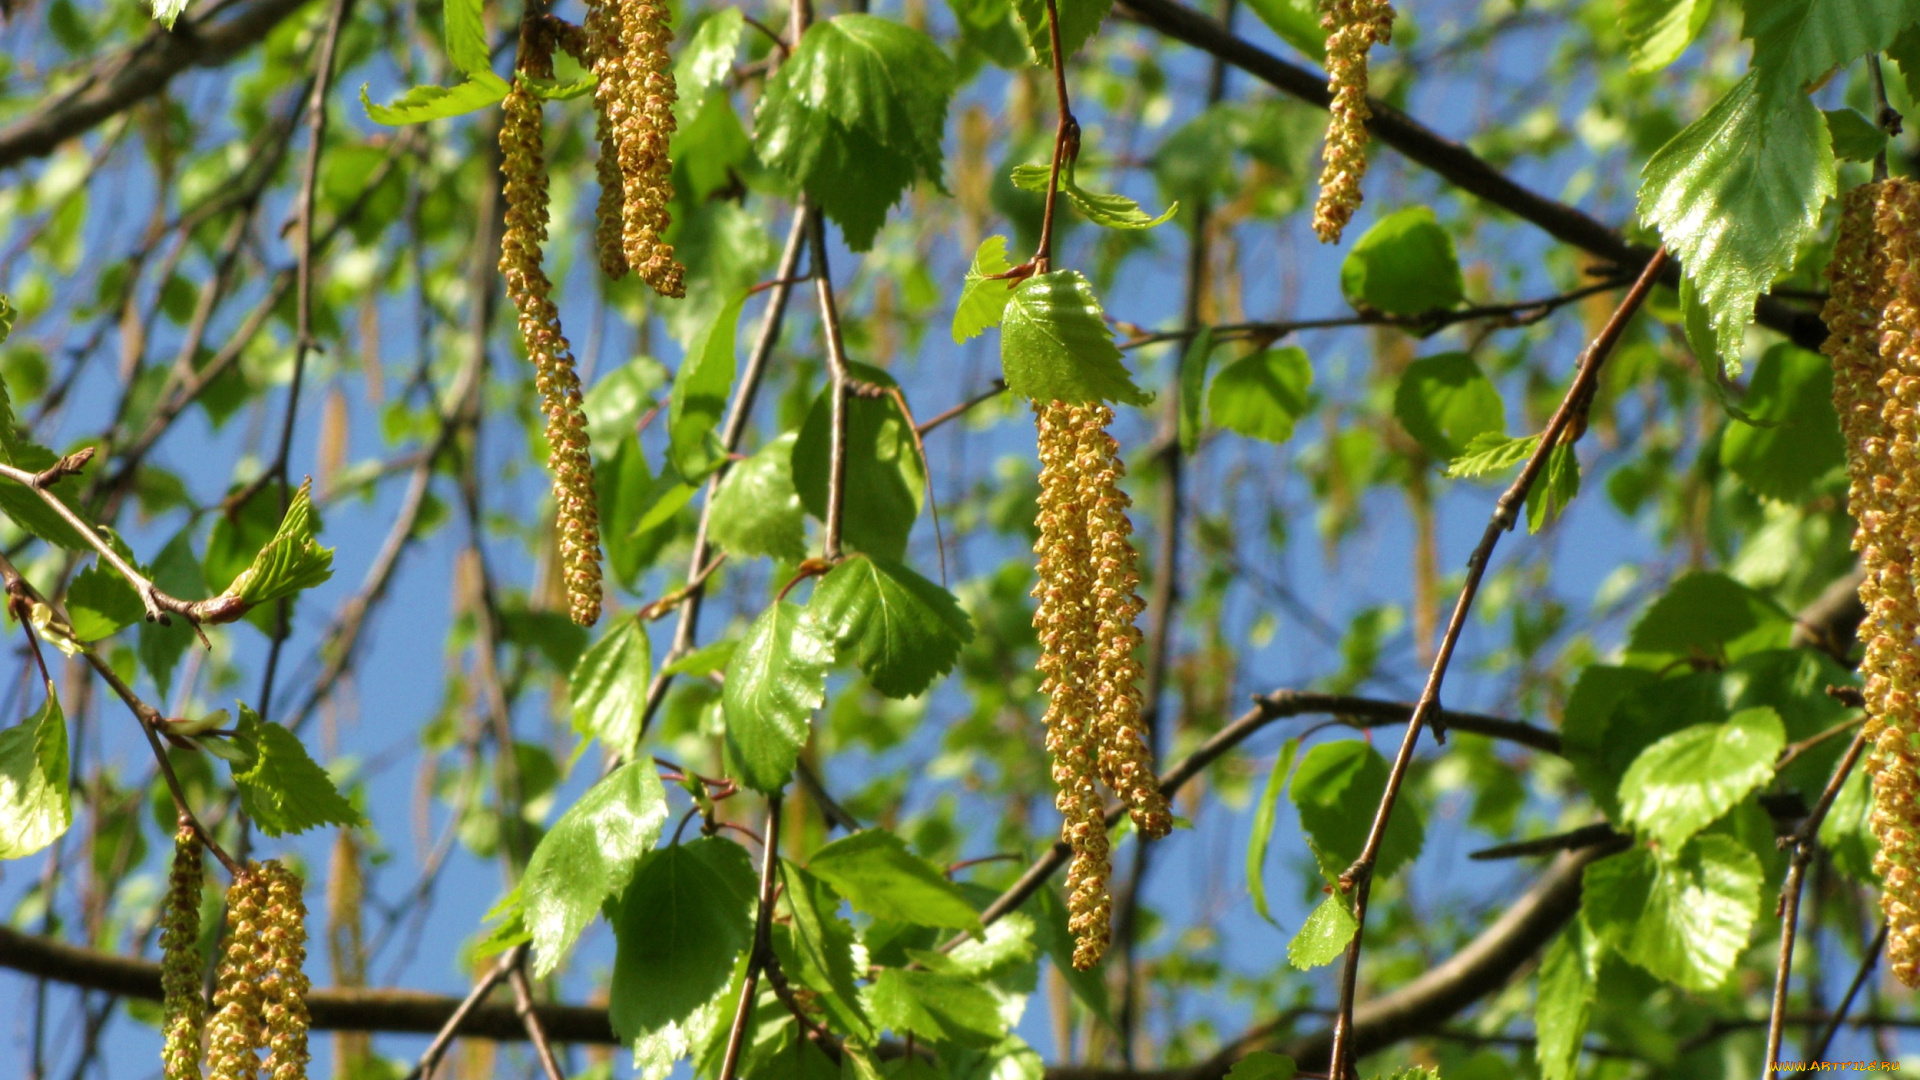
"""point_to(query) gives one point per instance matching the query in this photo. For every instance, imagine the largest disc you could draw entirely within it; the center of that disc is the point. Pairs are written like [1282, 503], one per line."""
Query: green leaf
[1905, 51]
[1562, 1004]
[1445, 402]
[467, 38]
[608, 686]
[590, 854]
[1490, 453]
[1079, 21]
[1006, 946]
[290, 562]
[1055, 344]
[885, 481]
[878, 875]
[1710, 614]
[1797, 41]
[1336, 789]
[705, 660]
[1735, 194]
[1325, 934]
[685, 917]
[1296, 22]
[699, 396]
[820, 948]
[1193, 387]
[281, 788]
[1263, 1065]
[1404, 265]
[1615, 712]
[941, 1008]
[1658, 31]
[166, 11]
[1684, 782]
[1554, 489]
[854, 116]
[1797, 439]
[620, 398]
[35, 806]
[27, 509]
[756, 511]
[1855, 138]
[1108, 211]
[1686, 918]
[983, 298]
[423, 103]
[901, 629]
[100, 603]
[775, 680]
[1263, 394]
[1056, 938]
[1263, 827]
[707, 59]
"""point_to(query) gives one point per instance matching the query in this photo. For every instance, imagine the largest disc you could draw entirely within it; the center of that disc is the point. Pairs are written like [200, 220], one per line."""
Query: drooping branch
[1447, 159]
[139, 72]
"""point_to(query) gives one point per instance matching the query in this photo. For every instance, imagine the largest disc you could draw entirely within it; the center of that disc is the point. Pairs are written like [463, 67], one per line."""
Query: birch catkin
[185, 1007]
[1085, 619]
[524, 166]
[635, 95]
[1873, 319]
[284, 996]
[1353, 27]
[238, 1028]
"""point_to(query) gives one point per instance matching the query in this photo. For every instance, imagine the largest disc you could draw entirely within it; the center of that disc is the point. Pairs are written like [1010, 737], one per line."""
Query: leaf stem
[1568, 419]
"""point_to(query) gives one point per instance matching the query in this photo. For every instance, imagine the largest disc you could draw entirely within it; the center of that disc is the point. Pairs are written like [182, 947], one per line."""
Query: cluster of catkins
[1873, 321]
[1085, 620]
[625, 43]
[260, 997]
[1353, 27]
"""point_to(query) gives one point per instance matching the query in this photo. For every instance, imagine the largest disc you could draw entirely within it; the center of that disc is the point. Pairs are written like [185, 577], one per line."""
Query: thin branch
[999, 387]
[1569, 418]
[536, 1032]
[736, 425]
[762, 941]
[1066, 141]
[443, 1038]
[1572, 840]
[1804, 840]
[1818, 1051]
[837, 379]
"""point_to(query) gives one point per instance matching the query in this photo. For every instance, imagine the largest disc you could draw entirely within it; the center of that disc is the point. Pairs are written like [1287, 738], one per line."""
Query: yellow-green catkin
[238, 1028]
[524, 167]
[284, 994]
[1068, 629]
[1353, 28]
[1126, 763]
[185, 1007]
[635, 96]
[1873, 321]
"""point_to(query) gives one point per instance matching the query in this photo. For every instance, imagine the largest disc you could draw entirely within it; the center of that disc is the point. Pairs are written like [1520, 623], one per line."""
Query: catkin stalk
[1873, 319]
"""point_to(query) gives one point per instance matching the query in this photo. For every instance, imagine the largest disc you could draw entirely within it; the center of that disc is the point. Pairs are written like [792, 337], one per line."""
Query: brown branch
[1804, 841]
[138, 72]
[1568, 419]
[1450, 160]
[536, 1031]
[837, 380]
[1818, 1050]
[1066, 142]
[999, 387]
[423, 1070]
[762, 941]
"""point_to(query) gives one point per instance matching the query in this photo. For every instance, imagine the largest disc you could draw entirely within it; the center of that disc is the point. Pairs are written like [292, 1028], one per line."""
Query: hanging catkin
[238, 1028]
[284, 995]
[1085, 620]
[1353, 27]
[635, 95]
[524, 167]
[185, 1007]
[1873, 319]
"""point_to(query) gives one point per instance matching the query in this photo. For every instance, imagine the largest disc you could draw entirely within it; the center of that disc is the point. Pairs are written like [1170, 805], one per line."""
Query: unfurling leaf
[281, 788]
[1109, 211]
[290, 562]
[1325, 934]
[984, 297]
[423, 103]
[590, 854]
[1263, 827]
[1489, 453]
